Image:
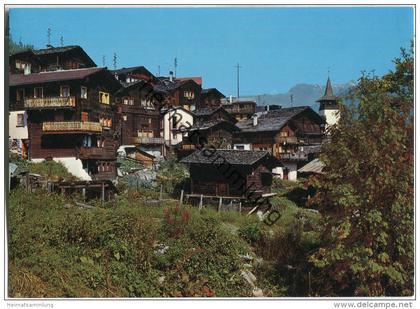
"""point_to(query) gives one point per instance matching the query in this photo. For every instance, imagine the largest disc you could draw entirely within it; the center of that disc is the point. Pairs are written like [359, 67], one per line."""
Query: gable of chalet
[213, 114]
[276, 120]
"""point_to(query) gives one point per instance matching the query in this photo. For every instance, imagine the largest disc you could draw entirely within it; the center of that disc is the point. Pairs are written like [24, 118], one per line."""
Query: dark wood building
[134, 74]
[293, 135]
[50, 59]
[70, 115]
[211, 97]
[214, 125]
[179, 92]
[137, 107]
[231, 173]
[242, 109]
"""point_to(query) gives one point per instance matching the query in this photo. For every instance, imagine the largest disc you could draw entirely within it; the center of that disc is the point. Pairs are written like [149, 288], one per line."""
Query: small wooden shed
[231, 173]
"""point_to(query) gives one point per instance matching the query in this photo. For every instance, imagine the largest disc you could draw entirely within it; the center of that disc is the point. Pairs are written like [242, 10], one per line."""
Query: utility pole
[237, 78]
[49, 35]
[62, 41]
[291, 100]
[175, 66]
[103, 61]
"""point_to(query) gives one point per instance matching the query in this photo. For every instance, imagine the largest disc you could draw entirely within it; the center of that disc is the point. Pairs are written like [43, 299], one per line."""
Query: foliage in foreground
[366, 196]
[47, 169]
[126, 250]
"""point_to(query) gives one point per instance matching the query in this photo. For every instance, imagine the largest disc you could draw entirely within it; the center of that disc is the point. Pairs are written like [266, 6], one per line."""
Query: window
[103, 97]
[128, 101]
[284, 134]
[83, 92]
[125, 117]
[20, 120]
[85, 116]
[20, 94]
[64, 91]
[189, 95]
[38, 92]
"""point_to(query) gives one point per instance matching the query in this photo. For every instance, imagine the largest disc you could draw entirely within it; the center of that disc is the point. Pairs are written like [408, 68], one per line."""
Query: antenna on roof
[175, 65]
[49, 37]
[237, 78]
[61, 41]
[158, 70]
[114, 61]
[291, 100]
[103, 61]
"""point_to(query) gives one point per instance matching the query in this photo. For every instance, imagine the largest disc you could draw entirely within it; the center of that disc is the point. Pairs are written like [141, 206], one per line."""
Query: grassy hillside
[129, 249]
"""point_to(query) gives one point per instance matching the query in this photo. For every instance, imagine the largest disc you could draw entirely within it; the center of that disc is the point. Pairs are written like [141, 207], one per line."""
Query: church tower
[329, 106]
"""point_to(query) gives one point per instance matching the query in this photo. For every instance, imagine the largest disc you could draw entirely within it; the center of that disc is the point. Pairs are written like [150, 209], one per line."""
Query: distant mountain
[303, 94]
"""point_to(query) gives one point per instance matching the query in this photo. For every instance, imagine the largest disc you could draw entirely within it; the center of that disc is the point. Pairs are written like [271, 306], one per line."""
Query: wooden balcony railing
[299, 156]
[104, 176]
[148, 140]
[288, 140]
[51, 102]
[71, 126]
[241, 110]
[96, 153]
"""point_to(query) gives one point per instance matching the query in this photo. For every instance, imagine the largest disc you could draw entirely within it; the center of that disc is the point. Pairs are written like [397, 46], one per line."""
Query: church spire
[328, 89]
[329, 105]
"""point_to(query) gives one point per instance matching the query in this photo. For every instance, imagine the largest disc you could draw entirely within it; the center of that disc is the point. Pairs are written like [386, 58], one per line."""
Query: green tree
[366, 195]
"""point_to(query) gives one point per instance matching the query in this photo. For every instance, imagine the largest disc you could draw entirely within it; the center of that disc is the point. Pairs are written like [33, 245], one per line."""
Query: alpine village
[127, 184]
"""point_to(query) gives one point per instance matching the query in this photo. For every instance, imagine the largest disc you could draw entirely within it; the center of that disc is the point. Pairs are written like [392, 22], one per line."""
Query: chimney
[171, 76]
[268, 108]
[255, 120]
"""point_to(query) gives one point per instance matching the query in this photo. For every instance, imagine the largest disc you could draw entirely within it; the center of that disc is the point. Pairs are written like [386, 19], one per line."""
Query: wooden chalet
[134, 74]
[211, 97]
[70, 115]
[214, 125]
[179, 92]
[292, 135]
[137, 110]
[143, 157]
[230, 173]
[50, 59]
[242, 109]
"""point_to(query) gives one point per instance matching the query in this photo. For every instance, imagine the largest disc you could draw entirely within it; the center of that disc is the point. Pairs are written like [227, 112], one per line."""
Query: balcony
[148, 140]
[71, 127]
[288, 140]
[241, 110]
[96, 153]
[51, 102]
[102, 176]
[297, 156]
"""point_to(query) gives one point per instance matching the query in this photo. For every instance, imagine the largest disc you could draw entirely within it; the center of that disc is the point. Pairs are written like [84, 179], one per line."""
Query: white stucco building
[175, 121]
[18, 132]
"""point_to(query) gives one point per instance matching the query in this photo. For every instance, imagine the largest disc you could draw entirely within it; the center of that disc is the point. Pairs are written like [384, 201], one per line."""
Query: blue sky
[276, 47]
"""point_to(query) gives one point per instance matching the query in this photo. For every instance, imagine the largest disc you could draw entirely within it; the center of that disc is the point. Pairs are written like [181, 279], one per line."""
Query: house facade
[241, 108]
[211, 97]
[176, 122]
[70, 118]
[293, 135]
[231, 173]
